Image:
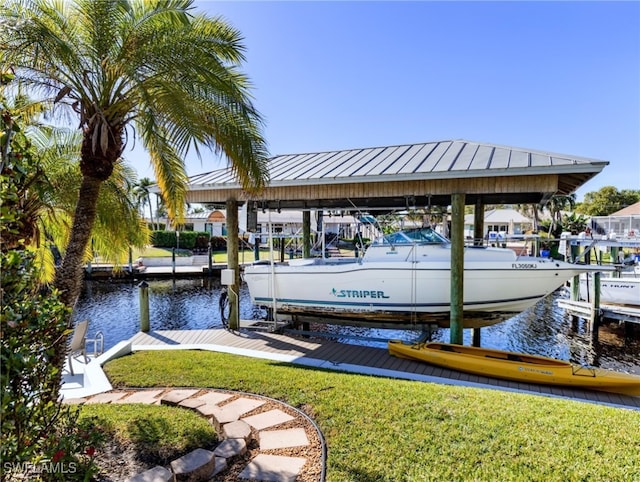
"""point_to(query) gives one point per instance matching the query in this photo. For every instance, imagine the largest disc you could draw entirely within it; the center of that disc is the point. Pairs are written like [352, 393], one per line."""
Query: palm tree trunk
[69, 276]
[150, 211]
[536, 218]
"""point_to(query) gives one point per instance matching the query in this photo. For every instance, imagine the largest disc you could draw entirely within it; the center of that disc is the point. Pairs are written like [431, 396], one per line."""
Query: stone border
[260, 437]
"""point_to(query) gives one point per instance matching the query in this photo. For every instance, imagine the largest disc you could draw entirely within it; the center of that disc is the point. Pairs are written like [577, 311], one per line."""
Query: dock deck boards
[331, 354]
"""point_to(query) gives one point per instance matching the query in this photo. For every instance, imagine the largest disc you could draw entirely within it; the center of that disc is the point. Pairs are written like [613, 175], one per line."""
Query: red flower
[58, 456]
[90, 451]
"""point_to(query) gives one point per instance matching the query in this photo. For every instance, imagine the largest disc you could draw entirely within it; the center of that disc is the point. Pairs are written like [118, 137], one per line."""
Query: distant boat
[517, 367]
[406, 277]
[624, 290]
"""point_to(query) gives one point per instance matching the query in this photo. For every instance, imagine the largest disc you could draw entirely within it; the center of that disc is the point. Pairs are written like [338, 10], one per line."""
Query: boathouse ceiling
[405, 176]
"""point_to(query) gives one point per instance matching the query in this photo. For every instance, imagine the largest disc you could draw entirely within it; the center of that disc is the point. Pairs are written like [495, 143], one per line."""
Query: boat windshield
[412, 236]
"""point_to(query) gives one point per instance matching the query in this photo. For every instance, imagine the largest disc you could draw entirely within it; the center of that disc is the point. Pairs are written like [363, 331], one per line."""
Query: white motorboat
[623, 289]
[404, 278]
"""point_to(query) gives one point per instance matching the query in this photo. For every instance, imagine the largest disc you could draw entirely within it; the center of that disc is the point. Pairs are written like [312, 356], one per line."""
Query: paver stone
[106, 397]
[156, 474]
[191, 403]
[237, 429]
[230, 448]
[214, 398]
[268, 419]
[149, 397]
[279, 439]
[174, 397]
[273, 468]
[242, 405]
[197, 465]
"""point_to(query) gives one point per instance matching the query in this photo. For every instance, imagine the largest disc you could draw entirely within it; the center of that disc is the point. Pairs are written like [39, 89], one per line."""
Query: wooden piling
[457, 268]
[144, 307]
[306, 234]
[478, 223]
[232, 261]
[478, 238]
[594, 318]
[475, 337]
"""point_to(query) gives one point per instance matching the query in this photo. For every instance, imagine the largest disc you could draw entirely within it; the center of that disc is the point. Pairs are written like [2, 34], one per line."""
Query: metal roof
[429, 160]
[406, 175]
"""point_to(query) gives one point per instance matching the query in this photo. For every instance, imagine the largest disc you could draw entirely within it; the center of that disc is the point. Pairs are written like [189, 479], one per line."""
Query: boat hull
[517, 367]
[622, 291]
[406, 291]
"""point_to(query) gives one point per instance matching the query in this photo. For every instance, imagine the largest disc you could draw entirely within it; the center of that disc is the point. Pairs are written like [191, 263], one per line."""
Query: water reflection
[544, 329]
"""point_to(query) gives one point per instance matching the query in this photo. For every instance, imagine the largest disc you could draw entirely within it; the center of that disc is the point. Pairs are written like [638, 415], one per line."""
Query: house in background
[621, 224]
[499, 223]
[285, 223]
[212, 222]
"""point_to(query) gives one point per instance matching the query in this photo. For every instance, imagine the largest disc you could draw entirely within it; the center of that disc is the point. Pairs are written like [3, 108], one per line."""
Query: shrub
[202, 240]
[40, 437]
[218, 243]
[188, 239]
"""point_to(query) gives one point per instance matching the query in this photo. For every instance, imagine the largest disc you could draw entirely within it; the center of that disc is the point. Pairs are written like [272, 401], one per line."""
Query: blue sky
[554, 76]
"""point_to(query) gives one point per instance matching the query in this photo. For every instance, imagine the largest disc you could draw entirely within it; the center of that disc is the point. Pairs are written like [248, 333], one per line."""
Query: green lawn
[151, 252]
[159, 433]
[380, 429]
[218, 256]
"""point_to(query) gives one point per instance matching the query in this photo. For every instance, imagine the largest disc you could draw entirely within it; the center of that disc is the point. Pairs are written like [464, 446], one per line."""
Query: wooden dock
[107, 271]
[621, 313]
[329, 354]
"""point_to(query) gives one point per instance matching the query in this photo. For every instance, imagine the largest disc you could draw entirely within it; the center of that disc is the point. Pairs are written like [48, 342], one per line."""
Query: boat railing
[522, 245]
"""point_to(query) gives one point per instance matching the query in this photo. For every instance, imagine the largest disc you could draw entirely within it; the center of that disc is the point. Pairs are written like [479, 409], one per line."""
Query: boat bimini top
[411, 236]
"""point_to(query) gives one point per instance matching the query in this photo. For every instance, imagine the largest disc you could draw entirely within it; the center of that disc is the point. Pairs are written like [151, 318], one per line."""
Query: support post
[306, 234]
[594, 321]
[256, 246]
[478, 240]
[457, 268]
[210, 259]
[478, 223]
[173, 261]
[232, 262]
[575, 288]
[614, 259]
[252, 227]
[144, 307]
[475, 337]
[282, 243]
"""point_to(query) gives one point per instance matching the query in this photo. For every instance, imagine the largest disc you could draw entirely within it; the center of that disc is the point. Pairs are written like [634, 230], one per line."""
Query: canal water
[182, 304]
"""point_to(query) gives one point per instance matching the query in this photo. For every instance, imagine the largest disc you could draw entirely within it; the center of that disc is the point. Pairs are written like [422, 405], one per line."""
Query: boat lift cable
[377, 224]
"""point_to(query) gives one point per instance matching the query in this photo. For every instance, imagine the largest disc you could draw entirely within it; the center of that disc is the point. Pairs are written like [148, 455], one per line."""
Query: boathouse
[440, 173]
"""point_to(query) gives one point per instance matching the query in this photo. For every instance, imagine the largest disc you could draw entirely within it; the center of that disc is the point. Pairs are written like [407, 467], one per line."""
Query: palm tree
[143, 195]
[556, 205]
[51, 187]
[125, 67]
[118, 223]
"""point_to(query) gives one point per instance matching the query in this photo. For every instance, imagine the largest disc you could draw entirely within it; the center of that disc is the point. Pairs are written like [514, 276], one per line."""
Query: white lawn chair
[78, 346]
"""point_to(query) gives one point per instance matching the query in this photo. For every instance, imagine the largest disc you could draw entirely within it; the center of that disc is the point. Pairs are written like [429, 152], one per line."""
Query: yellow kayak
[516, 366]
